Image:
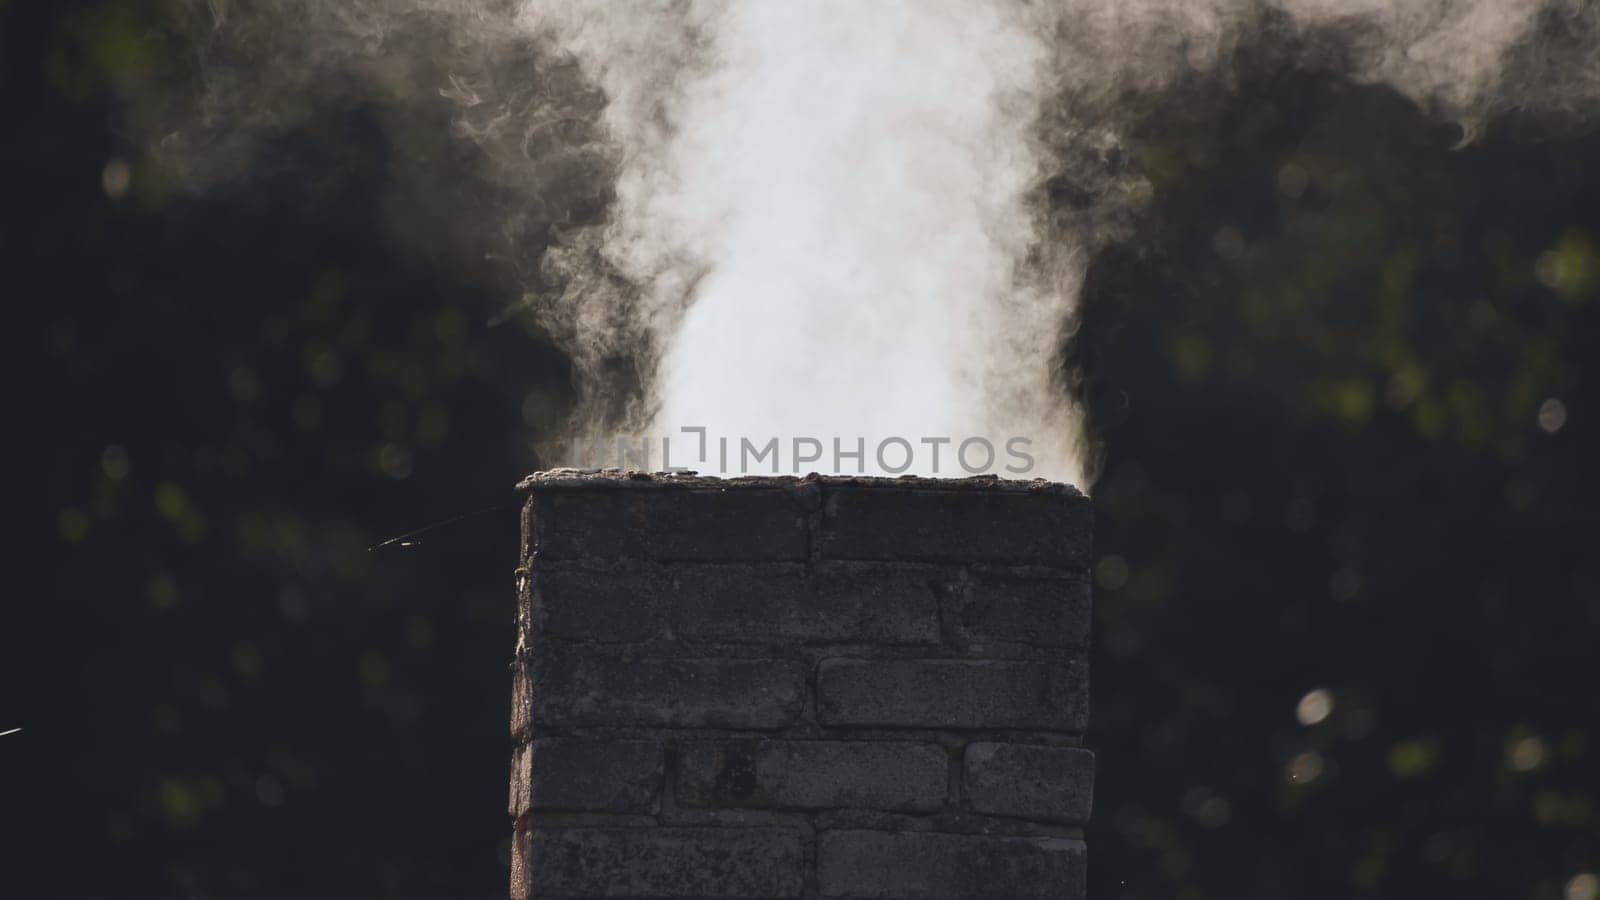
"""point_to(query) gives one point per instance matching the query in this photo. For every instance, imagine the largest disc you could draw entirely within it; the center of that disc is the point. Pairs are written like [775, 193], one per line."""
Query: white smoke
[830, 226]
[830, 218]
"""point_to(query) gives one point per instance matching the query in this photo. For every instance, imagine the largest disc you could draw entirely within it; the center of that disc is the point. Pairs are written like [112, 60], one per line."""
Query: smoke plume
[821, 219]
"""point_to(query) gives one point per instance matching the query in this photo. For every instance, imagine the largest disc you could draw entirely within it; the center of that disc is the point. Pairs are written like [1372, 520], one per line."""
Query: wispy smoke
[818, 218]
[827, 215]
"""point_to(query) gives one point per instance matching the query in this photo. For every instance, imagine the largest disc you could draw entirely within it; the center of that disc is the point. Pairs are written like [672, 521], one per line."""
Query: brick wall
[818, 687]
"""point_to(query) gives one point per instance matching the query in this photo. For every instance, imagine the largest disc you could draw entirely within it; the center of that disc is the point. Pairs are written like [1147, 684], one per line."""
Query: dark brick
[882, 602]
[929, 693]
[608, 607]
[665, 862]
[1009, 527]
[902, 776]
[932, 866]
[1040, 610]
[599, 776]
[840, 602]
[741, 603]
[667, 523]
[1030, 782]
[578, 687]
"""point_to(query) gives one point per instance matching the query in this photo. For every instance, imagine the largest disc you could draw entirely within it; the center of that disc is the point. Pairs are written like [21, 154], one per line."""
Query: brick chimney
[800, 688]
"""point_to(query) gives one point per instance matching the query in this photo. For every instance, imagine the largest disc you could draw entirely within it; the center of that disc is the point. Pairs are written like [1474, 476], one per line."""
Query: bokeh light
[1314, 707]
[1527, 753]
[115, 178]
[1552, 415]
[1304, 768]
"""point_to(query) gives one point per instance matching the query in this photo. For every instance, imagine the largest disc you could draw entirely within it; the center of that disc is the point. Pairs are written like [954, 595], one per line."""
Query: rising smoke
[826, 218]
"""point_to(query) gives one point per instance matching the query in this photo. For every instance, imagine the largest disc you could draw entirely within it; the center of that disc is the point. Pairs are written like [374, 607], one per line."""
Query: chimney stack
[808, 687]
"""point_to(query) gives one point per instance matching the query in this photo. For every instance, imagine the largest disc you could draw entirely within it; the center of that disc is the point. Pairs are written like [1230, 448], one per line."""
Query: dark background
[1348, 436]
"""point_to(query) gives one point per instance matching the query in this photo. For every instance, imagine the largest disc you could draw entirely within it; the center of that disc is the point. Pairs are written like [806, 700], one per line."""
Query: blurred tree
[1345, 595]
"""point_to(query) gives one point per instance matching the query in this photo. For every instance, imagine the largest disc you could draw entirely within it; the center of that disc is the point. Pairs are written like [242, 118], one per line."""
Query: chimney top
[557, 479]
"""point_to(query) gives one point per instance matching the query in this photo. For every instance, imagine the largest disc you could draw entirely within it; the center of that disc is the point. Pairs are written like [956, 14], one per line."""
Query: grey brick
[929, 693]
[780, 603]
[586, 775]
[579, 687]
[1025, 608]
[666, 523]
[610, 607]
[877, 865]
[1009, 527]
[665, 862]
[903, 776]
[1030, 782]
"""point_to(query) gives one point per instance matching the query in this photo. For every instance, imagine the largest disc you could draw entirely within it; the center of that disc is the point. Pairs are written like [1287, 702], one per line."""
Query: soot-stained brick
[577, 688]
[794, 604]
[1045, 528]
[1029, 781]
[1038, 609]
[889, 775]
[590, 775]
[940, 693]
[665, 862]
[877, 865]
[667, 523]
